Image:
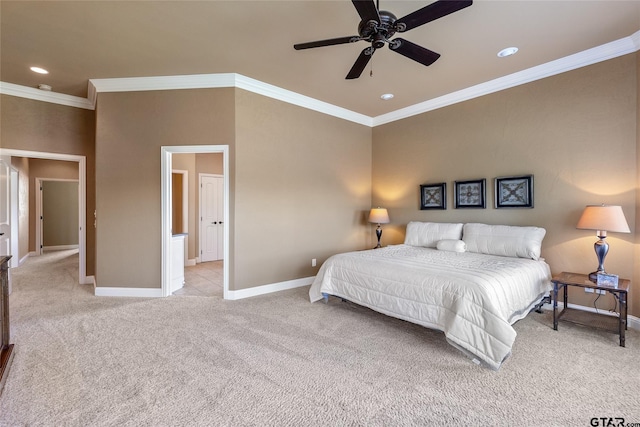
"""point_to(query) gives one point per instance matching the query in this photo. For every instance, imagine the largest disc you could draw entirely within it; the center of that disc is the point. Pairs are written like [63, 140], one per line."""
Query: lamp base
[379, 235]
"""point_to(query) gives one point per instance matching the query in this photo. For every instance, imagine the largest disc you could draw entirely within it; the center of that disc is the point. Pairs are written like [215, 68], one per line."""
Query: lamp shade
[379, 216]
[604, 218]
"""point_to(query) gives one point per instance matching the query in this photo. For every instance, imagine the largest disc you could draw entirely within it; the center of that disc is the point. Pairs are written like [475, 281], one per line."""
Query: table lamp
[602, 218]
[379, 216]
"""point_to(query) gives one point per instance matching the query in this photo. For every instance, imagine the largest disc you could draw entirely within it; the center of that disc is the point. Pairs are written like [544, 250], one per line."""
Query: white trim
[59, 247]
[267, 289]
[14, 206]
[290, 97]
[582, 59]
[45, 96]
[165, 196]
[597, 54]
[102, 291]
[190, 262]
[633, 322]
[24, 258]
[82, 202]
[140, 84]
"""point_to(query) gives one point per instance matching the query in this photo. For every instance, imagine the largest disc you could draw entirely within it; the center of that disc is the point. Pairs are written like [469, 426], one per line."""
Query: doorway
[56, 214]
[166, 201]
[82, 198]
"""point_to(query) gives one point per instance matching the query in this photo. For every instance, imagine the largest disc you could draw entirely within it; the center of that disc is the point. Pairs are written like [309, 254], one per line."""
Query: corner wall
[575, 132]
[31, 125]
[303, 186]
[131, 128]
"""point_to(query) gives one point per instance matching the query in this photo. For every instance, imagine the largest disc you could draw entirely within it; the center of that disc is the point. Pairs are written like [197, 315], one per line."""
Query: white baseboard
[267, 289]
[633, 322]
[101, 291]
[59, 247]
[24, 258]
[190, 262]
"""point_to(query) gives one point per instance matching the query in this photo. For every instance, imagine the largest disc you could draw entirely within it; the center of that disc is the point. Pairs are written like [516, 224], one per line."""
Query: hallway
[203, 280]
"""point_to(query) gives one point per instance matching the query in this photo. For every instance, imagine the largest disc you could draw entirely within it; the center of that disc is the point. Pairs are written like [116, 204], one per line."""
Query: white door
[211, 217]
[5, 206]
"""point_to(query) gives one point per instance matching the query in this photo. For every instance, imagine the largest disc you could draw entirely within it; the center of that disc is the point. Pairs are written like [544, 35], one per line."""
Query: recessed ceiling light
[39, 70]
[507, 52]
[386, 96]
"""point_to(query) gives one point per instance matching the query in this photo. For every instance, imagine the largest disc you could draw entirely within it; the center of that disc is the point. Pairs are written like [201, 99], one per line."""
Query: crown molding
[294, 98]
[206, 81]
[45, 96]
[581, 59]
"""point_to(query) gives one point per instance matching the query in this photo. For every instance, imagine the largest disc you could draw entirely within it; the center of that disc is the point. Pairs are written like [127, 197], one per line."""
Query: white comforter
[473, 298]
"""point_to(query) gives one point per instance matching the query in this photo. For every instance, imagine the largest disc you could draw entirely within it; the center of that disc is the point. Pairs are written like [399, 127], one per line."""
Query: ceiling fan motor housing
[378, 33]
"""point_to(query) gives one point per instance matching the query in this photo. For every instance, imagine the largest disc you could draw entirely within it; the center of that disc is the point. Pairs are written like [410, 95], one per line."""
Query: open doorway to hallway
[32, 164]
[197, 220]
[194, 225]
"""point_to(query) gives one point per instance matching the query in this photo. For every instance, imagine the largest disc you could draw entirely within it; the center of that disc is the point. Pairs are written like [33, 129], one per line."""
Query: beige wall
[130, 129]
[60, 213]
[299, 177]
[298, 189]
[31, 125]
[303, 182]
[575, 132]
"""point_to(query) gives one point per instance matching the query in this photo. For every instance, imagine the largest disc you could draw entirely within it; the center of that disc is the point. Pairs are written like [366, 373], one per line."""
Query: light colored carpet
[278, 360]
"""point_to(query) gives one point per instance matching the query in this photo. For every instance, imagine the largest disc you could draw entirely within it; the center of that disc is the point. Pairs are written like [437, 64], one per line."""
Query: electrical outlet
[601, 291]
[313, 262]
[589, 290]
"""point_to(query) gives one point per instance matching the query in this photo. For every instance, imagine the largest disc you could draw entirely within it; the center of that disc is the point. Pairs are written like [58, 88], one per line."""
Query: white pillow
[451, 245]
[504, 240]
[427, 234]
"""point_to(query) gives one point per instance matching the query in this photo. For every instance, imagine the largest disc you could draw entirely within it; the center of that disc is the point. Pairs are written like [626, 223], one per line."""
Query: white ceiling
[81, 40]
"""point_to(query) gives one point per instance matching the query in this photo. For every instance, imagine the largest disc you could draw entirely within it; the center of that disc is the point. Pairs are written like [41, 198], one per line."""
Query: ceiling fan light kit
[378, 26]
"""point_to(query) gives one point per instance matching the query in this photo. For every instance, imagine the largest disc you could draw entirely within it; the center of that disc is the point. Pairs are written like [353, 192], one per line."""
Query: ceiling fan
[378, 26]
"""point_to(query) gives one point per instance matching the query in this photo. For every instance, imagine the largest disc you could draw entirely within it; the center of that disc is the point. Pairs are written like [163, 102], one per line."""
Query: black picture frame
[471, 194]
[514, 192]
[433, 196]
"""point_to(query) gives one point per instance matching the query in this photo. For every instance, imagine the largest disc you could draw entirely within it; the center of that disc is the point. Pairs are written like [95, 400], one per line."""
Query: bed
[471, 281]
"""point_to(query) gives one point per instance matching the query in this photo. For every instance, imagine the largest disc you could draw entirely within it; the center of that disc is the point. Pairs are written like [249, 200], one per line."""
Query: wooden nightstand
[564, 280]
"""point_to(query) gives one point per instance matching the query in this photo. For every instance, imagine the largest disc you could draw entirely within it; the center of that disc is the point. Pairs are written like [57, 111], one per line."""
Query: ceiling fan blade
[360, 63]
[430, 13]
[328, 42]
[413, 51]
[367, 10]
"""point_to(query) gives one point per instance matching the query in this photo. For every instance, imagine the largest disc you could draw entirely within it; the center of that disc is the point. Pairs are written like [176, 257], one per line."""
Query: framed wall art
[514, 192]
[470, 194]
[433, 196]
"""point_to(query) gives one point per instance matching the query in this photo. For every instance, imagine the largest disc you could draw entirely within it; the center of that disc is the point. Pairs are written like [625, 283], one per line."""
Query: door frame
[40, 209]
[83, 279]
[14, 182]
[200, 228]
[165, 190]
